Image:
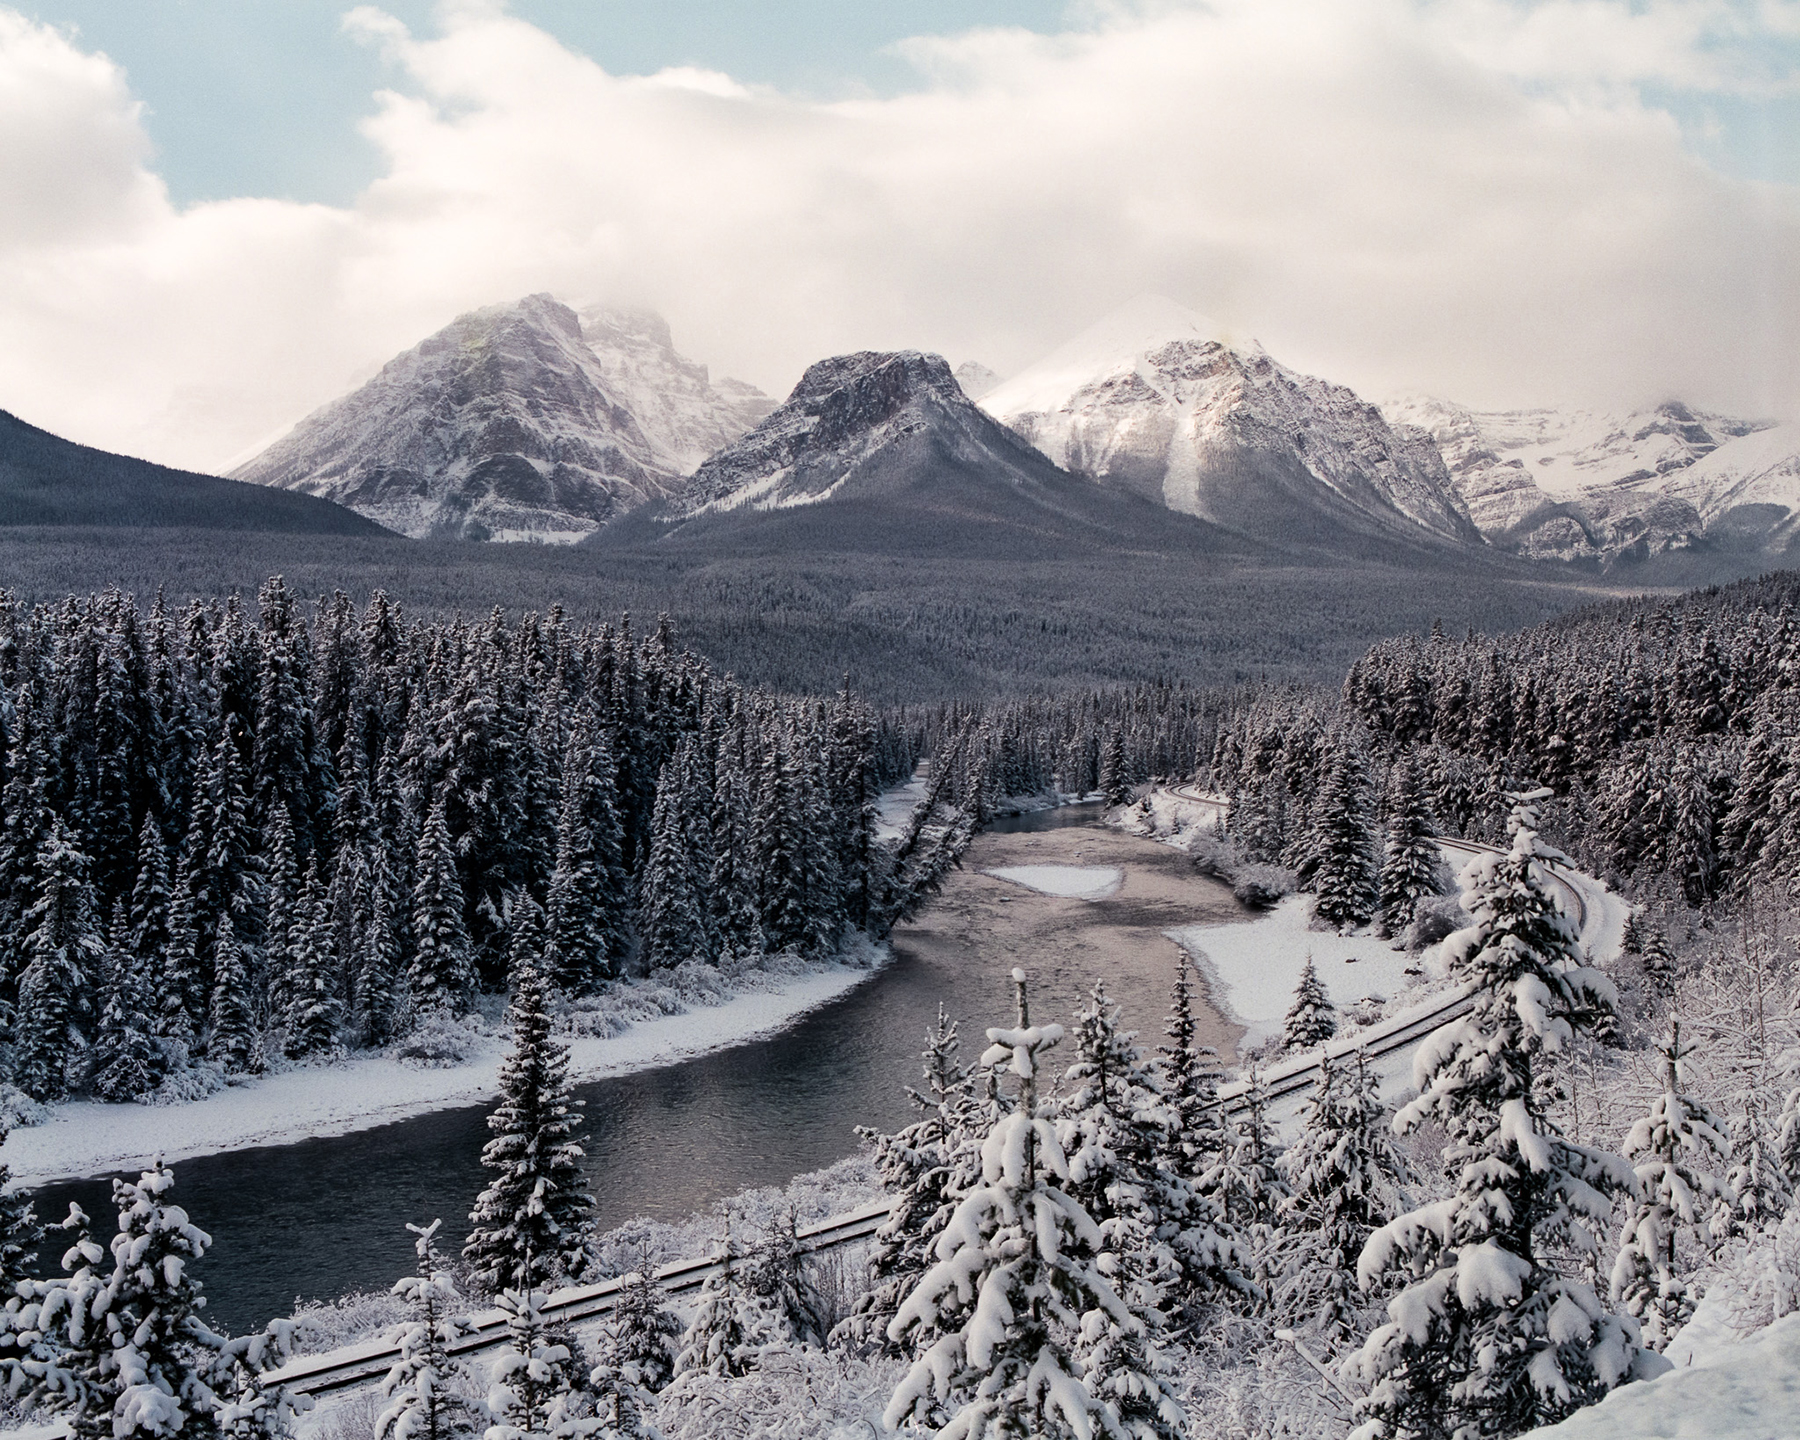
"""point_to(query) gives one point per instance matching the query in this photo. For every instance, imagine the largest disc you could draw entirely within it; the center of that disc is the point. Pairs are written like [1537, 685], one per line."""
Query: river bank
[85, 1138]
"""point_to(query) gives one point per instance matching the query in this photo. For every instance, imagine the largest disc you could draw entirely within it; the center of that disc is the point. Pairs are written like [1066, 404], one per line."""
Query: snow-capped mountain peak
[517, 421]
[1160, 400]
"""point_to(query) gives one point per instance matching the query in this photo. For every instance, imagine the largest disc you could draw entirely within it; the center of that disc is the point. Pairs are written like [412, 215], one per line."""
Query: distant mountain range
[532, 421]
[517, 422]
[46, 480]
[1584, 486]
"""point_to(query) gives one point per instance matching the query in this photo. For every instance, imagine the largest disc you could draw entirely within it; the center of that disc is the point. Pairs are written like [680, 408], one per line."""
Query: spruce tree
[671, 911]
[527, 1222]
[183, 998]
[442, 972]
[1115, 775]
[125, 1060]
[1659, 967]
[313, 1004]
[775, 1273]
[1677, 1150]
[63, 950]
[1190, 1077]
[1025, 1253]
[150, 896]
[1488, 1338]
[636, 1356]
[586, 908]
[1345, 1180]
[1312, 1018]
[21, 1233]
[378, 977]
[1410, 860]
[732, 1326]
[1341, 866]
[531, 1380]
[422, 1402]
[231, 1035]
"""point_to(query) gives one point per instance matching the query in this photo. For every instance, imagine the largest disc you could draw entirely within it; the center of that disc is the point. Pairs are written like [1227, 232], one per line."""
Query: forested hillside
[311, 827]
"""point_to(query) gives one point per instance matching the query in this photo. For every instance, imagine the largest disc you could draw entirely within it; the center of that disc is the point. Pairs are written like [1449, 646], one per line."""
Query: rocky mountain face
[516, 422]
[1158, 401]
[1577, 485]
[975, 378]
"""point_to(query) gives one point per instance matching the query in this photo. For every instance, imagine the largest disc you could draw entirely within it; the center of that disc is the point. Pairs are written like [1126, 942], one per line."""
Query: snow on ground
[1073, 882]
[894, 809]
[1746, 1391]
[1252, 967]
[90, 1138]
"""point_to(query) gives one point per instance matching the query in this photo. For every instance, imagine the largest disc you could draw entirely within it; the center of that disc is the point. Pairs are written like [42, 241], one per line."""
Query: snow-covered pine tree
[1115, 774]
[586, 908]
[1190, 1079]
[63, 950]
[1487, 1338]
[671, 910]
[1159, 1245]
[284, 913]
[423, 1403]
[125, 1060]
[636, 1357]
[442, 971]
[1659, 967]
[1410, 859]
[1677, 1149]
[150, 895]
[183, 998]
[1345, 1180]
[1245, 1185]
[378, 976]
[527, 1222]
[231, 1035]
[914, 1166]
[313, 1004]
[1025, 1251]
[732, 1326]
[531, 1380]
[775, 1273]
[21, 1233]
[1312, 1018]
[1340, 864]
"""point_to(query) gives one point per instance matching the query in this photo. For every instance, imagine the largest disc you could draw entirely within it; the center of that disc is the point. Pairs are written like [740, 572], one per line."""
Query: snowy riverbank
[84, 1138]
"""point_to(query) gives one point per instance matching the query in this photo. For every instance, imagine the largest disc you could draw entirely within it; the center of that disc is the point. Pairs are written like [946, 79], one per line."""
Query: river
[323, 1217]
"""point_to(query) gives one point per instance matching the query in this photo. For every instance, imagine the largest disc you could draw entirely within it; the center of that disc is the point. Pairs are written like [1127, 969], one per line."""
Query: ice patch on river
[85, 1138]
[1071, 882]
[1253, 966]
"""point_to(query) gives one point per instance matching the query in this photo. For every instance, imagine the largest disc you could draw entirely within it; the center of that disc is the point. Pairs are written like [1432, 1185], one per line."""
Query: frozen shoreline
[87, 1138]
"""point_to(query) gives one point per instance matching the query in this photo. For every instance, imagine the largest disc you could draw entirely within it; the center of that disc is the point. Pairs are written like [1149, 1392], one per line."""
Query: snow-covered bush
[441, 1042]
[1434, 918]
[321, 1325]
[18, 1111]
[798, 1394]
[1261, 887]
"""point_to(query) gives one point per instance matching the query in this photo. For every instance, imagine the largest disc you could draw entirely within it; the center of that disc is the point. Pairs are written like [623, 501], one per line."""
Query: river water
[322, 1217]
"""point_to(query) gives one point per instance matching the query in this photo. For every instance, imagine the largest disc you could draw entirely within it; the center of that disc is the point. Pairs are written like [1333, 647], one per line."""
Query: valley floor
[84, 1138]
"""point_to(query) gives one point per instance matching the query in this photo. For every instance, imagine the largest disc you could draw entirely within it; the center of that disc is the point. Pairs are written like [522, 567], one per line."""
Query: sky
[216, 215]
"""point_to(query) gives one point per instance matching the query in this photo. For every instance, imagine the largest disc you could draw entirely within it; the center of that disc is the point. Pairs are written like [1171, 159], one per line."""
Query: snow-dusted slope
[520, 421]
[872, 423]
[1580, 484]
[1159, 400]
[975, 378]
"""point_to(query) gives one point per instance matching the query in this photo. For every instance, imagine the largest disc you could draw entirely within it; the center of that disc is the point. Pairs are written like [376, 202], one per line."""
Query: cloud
[1470, 197]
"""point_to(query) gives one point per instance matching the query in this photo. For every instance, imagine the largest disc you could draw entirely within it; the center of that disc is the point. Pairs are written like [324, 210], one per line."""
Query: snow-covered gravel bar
[1071, 882]
[88, 1138]
[1251, 968]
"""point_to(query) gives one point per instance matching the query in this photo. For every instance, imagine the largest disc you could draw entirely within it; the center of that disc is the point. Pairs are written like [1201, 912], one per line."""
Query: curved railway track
[357, 1365]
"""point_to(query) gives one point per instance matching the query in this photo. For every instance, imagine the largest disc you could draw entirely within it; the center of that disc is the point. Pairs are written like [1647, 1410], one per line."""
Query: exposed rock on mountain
[46, 480]
[520, 421]
[1583, 486]
[1158, 400]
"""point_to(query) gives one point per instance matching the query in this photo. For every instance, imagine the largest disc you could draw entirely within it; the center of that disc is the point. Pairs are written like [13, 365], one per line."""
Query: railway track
[338, 1370]
[368, 1363]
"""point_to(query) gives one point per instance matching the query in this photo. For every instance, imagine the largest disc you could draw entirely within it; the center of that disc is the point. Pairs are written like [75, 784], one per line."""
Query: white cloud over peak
[1470, 197]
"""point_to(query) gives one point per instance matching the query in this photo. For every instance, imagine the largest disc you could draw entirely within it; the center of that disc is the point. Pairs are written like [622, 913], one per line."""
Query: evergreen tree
[1024, 1252]
[422, 1402]
[915, 1166]
[20, 1231]
[313, 1005]
[1115, 775]
[125, 1061]
[150, 896]
[671, 912]
[1345, 1180]
[732, 1326]
[1190, 1078]
[183, 997]
[586, 908]
[378, 978]
[1311, 1019]
[442, 969]
[286, 915]
[1659, 967]
[63, 949]
[775, 1274]
[637, 1357]
[1676, 1150]
[1244, 1184]
[531, 1379]
[1487, 1338]
[231, 1025]
[1410, 859]
[1340, 866]
[527, 1222]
